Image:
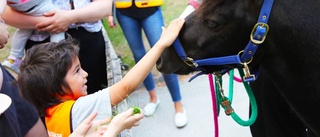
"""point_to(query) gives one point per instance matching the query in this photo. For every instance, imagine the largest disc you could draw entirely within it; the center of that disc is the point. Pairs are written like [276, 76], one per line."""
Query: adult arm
[4, 34]
[3, 4]
[61, 19]
[20, 20]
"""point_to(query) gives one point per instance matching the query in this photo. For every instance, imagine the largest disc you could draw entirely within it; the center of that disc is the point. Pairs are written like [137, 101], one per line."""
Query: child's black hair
[43, 70]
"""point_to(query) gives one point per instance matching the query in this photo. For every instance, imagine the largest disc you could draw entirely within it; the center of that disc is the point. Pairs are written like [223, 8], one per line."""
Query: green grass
[4, 53]
[171, 9]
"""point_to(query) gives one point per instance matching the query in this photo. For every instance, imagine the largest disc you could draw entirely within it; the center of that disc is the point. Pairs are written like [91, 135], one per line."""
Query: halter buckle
[190, 62]
[262, 30]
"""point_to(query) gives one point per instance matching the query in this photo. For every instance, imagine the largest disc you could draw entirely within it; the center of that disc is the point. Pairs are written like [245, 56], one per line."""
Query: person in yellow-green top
[133, 17]
[52, 79]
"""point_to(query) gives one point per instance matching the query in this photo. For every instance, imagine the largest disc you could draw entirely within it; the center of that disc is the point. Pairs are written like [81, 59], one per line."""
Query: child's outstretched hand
[124, 120]
[108, 127]
[171, 33]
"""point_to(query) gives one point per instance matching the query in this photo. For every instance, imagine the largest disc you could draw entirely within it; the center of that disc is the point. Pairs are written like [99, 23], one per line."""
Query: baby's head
[43, 71]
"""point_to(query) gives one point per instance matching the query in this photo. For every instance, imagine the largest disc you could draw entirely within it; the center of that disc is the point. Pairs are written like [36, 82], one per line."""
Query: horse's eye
[212, 24]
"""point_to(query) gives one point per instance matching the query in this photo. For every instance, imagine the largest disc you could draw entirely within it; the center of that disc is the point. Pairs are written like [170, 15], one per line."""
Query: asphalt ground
[196, 98]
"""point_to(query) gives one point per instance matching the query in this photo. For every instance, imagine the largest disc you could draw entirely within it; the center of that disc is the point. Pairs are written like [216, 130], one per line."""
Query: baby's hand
[171, 33]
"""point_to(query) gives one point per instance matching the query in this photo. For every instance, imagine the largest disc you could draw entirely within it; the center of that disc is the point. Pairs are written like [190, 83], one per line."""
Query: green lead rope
[231, 80]
[226, 102]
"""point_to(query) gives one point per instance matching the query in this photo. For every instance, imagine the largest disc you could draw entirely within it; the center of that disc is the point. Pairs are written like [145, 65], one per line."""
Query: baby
[19, 40]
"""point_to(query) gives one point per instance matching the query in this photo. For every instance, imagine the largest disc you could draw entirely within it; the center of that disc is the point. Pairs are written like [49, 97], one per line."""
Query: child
[19, 40]
[53, 81]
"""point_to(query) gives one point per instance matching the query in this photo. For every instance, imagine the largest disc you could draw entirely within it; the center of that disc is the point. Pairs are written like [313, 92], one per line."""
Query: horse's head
[217, 28]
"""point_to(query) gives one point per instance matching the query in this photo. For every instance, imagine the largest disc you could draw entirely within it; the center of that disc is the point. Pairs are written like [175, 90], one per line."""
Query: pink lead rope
[214, 106]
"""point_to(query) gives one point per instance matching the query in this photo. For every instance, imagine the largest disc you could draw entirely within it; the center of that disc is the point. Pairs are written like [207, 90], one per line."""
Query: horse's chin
[173, 69]
[168, 68]
[184, 71]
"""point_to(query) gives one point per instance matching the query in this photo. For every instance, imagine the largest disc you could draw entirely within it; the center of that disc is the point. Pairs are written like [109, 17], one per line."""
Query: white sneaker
[181, 119]
[150, 108]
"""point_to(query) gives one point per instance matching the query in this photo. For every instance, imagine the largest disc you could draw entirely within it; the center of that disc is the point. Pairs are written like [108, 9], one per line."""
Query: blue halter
[257, 36]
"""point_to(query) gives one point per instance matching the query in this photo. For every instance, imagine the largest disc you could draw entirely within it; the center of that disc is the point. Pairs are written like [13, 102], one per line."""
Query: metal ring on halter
[190, 62]
[245, 62]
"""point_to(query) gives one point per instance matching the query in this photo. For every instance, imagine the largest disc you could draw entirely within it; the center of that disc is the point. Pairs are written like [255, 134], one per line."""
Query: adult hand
[124, 120]
[59, 21]
[111, 22]
[4, 35]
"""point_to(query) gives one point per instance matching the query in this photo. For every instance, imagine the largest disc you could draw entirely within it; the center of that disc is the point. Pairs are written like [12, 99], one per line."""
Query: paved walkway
[197, 102]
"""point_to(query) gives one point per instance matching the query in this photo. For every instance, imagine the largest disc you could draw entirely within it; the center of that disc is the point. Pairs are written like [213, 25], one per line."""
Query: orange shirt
[58, 121]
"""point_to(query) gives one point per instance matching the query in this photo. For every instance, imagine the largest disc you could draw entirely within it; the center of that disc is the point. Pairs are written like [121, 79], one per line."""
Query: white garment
[21, 36]
[189, 9]
[65, 5]
[84, 106]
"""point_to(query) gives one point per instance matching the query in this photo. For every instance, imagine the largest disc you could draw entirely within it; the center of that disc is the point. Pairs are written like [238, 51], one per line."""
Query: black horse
[287, 88]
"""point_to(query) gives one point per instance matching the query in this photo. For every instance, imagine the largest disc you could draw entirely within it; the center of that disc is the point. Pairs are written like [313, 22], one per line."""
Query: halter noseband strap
[258, 35]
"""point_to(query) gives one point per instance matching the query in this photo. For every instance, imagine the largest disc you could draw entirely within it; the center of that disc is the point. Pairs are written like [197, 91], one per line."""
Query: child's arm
[138, 73]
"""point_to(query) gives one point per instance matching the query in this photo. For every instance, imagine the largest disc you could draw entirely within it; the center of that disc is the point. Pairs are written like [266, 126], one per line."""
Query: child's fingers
[105, 121]
[136, 123]
[175, 26]
[135, 119]
[126, 114]
[90, 118]
[129, 112]
[102, 129]
[177, 23]
[138, 117]
[169, 34]
[163, 28]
